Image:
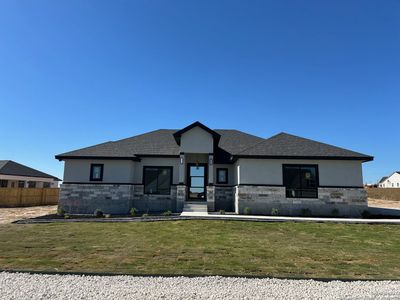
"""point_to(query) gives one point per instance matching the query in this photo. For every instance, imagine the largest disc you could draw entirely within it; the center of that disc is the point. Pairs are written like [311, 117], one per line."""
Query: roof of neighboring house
[383, 179]
[231, 143]
[9, 167]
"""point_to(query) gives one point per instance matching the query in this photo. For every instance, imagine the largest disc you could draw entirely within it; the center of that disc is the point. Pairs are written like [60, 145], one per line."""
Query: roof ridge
[264, 140]
[301, 138]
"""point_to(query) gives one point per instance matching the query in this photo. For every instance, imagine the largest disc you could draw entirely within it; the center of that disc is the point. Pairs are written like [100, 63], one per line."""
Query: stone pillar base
[211, 198]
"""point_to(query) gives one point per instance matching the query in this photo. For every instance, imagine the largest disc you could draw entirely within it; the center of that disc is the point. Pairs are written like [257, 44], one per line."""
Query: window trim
[226, 177]
[158, 167]
[92, 166]
[302, 165]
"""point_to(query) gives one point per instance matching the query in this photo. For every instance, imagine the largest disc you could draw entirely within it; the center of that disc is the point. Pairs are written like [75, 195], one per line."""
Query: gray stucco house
[226, 169]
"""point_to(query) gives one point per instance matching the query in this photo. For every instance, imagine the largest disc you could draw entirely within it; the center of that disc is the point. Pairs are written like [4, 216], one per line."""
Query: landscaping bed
[202, 247]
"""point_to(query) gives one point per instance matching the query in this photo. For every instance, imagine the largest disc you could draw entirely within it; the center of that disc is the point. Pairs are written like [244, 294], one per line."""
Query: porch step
[194, 209]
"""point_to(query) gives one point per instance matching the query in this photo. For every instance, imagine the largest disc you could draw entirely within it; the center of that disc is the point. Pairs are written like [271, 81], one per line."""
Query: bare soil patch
[8, 215]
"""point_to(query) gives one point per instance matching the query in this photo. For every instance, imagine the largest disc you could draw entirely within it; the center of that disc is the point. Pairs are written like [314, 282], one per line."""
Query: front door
[197, 178]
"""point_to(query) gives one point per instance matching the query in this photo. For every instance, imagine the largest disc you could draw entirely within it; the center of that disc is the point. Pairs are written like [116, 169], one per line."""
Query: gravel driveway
[25, 286]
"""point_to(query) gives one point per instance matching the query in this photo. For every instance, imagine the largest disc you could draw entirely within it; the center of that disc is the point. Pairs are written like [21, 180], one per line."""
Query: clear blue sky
[77, 73]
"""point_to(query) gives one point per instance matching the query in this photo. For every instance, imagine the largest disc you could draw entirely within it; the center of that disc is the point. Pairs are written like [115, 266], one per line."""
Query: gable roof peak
[177, 135]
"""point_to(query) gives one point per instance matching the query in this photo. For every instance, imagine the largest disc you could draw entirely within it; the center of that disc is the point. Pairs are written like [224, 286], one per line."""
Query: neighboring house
[15, 175]
[392, 181]
[227, 169]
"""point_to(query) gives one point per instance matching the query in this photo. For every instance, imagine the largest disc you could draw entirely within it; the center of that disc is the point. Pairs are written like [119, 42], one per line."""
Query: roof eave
[62, 157]
[362, 158]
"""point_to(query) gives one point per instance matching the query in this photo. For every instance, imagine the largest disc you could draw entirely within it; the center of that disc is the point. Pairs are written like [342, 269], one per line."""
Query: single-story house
[15, 175]
[391, 181]
[228, 169]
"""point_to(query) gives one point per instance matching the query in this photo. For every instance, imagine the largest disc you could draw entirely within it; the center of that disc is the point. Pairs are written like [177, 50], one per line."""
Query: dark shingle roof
[287, 145]
[9, 167]
[383, 179]
[160, 142]
[231, 142]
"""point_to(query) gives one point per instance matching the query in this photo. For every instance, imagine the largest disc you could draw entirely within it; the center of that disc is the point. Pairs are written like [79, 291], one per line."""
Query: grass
[200, 247]
[384, 194]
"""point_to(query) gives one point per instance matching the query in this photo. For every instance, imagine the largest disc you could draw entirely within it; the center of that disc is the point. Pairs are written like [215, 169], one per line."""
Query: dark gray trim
[110, 183]
[61, 157]
[251, 184]
[364, 159]
[157, 155]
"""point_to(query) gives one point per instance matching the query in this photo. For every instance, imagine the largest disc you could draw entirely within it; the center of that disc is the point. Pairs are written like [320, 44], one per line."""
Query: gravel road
[25, 286]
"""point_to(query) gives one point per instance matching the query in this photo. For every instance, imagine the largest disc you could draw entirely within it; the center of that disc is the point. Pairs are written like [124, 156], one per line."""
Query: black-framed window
[157, 180]
[21, 184]
[32, 184]
[301, 181]
[46, 185]
[3, 183]
[96, 172]
[222, 175]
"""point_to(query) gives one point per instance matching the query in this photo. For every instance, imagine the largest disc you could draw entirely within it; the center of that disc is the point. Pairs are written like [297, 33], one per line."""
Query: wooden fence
[17, 197]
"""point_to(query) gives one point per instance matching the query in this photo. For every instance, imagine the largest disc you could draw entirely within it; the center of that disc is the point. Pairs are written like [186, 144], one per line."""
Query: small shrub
[107, 216]
[366, 214]
[222, 212]
[67, 216]
[60, 212]
[274, 212]
[98, 213]
[145, 215]
[167, 213]
[134, 212]
[335, 212]
[247, 211]
[306, 212]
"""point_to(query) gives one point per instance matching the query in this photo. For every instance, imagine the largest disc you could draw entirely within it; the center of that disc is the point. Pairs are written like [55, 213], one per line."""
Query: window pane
[291, 180]
[21, 184]
[150, 180]
[308, 177]
[197, 181]
[222, 175]
[197, 171]
[96, 172]
[164, 181]
[196, 193]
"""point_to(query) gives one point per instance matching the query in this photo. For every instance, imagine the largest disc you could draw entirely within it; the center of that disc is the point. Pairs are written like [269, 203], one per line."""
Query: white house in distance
[15, 175]
[392, 181]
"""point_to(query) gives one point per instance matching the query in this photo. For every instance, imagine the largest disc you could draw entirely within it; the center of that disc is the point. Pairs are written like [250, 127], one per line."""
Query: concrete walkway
[298, 219]
[201, 212]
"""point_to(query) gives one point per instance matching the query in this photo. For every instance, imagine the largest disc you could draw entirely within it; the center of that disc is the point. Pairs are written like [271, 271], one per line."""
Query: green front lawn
[205, 247]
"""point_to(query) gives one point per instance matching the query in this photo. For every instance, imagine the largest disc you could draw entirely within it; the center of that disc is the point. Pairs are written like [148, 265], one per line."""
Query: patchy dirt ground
[383, 203]
[8, 215]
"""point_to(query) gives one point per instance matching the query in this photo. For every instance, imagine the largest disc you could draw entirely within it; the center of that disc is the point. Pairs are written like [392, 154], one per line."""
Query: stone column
[211, 198]
[180, 197]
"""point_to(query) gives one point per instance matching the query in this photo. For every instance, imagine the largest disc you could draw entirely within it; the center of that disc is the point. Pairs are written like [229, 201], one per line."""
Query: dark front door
[197, 178]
